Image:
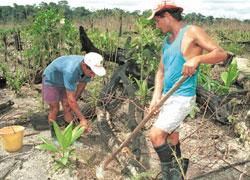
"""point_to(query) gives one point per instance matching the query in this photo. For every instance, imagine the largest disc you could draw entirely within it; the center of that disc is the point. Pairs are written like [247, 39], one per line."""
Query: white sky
[239, 9]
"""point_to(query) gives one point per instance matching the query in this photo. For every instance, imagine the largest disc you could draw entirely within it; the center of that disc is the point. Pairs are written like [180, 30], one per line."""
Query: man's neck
[176, 28]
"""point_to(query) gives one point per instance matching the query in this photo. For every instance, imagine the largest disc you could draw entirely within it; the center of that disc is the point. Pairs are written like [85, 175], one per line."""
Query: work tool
[100, 170]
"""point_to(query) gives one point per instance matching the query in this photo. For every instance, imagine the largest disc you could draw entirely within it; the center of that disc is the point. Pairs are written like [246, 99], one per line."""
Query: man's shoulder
[194, 32]
[69, 58]
[194, 29]
[67, 63]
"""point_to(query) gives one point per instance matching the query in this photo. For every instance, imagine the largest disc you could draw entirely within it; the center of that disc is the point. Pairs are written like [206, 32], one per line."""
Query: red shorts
[52, 94]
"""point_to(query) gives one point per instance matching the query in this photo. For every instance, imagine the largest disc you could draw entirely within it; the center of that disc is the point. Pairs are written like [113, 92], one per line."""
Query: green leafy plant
[145, 51]
[45, 38]
[204, 80]
[145, 175]
[143, 91]
[65, 139]
[4, 40]
[104, 40]
[207, 82]
[229, 40]
[94, 89]
[195, 110]
[229, 77]
[15, 80]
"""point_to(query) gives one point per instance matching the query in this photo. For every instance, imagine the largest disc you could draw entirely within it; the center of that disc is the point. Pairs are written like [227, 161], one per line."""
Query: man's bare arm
[158, 85]
[214, 53]
[80, 87]
[73, 105]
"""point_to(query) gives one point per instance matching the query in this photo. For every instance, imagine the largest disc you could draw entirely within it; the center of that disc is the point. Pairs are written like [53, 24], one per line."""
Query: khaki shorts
[173, 112]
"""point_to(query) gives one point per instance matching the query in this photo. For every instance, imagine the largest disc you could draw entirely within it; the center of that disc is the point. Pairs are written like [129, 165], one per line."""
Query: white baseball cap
[94, 61]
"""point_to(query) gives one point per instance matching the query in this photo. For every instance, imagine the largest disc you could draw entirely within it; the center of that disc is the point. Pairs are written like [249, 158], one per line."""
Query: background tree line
[20, 13]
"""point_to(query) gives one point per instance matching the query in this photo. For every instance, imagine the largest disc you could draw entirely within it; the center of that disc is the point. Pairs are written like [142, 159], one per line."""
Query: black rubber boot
[66, 124]
[185, 166]
[53, 135]
[166, 152]
[52, 131]
[170, 171]
[168, 156]
[173, 171]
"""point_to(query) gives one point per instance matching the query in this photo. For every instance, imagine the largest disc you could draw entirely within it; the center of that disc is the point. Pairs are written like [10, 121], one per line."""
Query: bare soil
[212, 148]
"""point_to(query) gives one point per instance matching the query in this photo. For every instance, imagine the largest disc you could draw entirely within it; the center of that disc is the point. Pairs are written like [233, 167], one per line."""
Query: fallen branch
[129, 164]
[223, 169]
[5, 172]
[31, 134]
[16, 155]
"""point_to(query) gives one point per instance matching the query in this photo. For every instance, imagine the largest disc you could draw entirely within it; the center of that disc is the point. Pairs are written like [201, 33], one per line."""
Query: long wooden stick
[145, 120]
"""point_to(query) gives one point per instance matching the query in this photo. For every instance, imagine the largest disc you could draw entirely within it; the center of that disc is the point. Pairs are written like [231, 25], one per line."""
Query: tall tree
[64, 5]
[6, 14]
[80, 12]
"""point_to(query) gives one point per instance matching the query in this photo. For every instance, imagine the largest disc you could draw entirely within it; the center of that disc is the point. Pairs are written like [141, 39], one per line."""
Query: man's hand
[84, 122]
[74, 106]
[190, 66]
[151, 107]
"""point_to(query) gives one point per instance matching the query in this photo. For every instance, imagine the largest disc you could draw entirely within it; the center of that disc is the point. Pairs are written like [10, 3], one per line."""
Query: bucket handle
[13, 129]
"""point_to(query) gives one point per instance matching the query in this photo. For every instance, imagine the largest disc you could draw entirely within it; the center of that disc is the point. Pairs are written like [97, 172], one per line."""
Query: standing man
[182, 52]
[64, 80]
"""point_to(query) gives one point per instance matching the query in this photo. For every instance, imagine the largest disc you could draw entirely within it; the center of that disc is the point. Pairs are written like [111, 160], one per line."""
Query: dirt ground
[212, 148]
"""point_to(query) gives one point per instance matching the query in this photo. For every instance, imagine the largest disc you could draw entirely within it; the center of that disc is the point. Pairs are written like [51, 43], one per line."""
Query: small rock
[243, 64]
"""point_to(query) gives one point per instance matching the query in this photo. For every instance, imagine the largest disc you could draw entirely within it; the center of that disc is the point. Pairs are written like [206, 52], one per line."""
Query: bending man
[64, 80]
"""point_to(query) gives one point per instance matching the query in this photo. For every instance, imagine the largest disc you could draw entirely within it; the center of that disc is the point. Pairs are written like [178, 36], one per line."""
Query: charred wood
[108, 103]
[131, 115]
[221, 105]
[3, 82]
[6, 106]
[18, 43]
[129, 165]
[87, 46]
[5, 44]
[244, 42]
[120, 30]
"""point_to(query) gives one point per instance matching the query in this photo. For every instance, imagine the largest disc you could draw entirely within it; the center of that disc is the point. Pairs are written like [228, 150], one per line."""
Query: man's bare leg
[159, 137]
[68, 116]
[54, 109]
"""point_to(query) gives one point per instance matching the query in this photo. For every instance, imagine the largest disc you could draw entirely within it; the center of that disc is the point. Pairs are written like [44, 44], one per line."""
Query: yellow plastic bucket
[12, 138]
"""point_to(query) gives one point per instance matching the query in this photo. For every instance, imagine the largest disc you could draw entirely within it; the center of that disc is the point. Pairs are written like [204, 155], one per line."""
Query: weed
[143, 176]
[143, 91]
[15, 80]
[207, 82]
[195, 110]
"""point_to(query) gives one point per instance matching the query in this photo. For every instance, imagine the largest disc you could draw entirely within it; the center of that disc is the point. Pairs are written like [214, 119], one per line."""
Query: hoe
[100, 170]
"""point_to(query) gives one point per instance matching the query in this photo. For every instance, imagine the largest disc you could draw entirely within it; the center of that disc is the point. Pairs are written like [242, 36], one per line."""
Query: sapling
[65, 139]
[229, 77]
